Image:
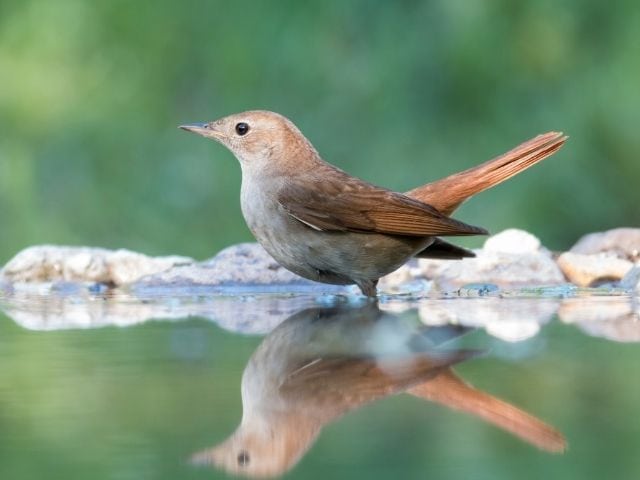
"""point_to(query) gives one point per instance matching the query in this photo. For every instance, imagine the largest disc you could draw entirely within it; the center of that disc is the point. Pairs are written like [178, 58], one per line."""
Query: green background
[398, 93]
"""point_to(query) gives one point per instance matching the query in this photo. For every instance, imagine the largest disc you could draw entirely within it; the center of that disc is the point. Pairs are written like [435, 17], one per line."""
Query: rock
[589, 270]
[511, 259]
[236, 268]
[499, 264]
[395, 280]
[621, 242]
[407, 279]
[431, 268]
[513, 241]
[50, 263]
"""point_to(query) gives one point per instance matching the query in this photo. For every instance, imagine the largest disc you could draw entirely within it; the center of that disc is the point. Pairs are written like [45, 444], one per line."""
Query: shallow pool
[115, 386]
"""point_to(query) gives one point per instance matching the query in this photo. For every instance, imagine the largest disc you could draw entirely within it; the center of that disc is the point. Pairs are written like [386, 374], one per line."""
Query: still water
[199, 386]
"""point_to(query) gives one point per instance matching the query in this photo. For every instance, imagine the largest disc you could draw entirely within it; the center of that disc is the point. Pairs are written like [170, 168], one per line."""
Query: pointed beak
[203, 129]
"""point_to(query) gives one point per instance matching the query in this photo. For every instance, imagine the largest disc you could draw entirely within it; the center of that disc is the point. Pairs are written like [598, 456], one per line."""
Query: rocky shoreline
[511, 259]
[512, 288]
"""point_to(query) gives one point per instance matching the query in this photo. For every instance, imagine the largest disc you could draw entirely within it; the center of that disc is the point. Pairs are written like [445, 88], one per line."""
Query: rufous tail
[451, 391]
[448, 193]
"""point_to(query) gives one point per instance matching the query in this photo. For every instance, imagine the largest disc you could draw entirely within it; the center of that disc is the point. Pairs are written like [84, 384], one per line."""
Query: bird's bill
[203, 129]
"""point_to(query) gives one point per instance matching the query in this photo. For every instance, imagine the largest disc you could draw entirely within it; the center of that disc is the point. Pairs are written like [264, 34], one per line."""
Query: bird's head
[262, 450]
[257, 138]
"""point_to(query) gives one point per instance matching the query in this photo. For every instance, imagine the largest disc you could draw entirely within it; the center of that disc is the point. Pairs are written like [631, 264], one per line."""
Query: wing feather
[347, 204]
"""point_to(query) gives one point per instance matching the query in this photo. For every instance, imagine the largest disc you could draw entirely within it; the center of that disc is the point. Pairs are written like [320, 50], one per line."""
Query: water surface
[118, 386]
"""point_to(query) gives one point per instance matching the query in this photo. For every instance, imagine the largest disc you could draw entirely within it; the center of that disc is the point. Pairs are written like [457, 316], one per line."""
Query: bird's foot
[368, 287]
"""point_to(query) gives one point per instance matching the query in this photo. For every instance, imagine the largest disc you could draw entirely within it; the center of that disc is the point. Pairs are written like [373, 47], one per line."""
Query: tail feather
[448, 193]
[451, 391]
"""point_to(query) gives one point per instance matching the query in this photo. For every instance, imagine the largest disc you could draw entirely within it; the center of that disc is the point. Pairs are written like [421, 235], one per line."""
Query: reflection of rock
[509, 315]
[613, 318]
[589, 270]
[509, 319]
[621, 242]
[512, 258]
[48, 263]
[60, 311]
[631, 281]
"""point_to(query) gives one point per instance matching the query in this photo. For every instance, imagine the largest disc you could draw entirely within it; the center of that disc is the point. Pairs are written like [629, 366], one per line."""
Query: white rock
[396, 279]
[127, 267]
[513, 241]
[431, 268]
[587, 270]
[50, 263]
[246, 265]
[512, 258]
[502, 269]
[621, 242]
[407, 279]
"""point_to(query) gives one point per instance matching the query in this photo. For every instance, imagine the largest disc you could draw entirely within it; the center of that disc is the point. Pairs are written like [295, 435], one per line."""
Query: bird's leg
[368, 287]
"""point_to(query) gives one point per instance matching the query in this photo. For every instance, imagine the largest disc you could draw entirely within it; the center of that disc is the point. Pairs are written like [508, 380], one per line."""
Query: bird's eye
[242, 128]
[243, 458]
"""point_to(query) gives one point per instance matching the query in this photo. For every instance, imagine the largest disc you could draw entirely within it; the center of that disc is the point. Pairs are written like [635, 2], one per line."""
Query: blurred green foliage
[398, 93]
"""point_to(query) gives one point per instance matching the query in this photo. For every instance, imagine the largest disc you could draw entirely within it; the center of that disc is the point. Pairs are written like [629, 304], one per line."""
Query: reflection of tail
[451, 391]
[448, 193]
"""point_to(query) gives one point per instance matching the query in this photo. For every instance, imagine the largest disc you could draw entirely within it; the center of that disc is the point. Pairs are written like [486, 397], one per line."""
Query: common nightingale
[326, 225]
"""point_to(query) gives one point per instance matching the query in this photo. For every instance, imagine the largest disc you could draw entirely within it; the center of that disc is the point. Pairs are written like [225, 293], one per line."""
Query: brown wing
[330, 382]
[347, 204]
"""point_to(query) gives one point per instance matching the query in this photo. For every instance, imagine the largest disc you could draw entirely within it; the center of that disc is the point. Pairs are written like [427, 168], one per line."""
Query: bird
[323, 362]
[326, 225]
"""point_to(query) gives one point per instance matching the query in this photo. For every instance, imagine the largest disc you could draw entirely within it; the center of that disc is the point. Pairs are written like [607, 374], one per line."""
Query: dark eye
[242, 128]
[243, 458]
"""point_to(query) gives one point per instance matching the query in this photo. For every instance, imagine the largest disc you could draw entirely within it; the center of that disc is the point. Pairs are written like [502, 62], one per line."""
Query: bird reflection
[324, 362]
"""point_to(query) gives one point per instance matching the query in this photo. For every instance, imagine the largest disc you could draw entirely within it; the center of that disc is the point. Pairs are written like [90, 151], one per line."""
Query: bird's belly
[334, 257]
[329, 257]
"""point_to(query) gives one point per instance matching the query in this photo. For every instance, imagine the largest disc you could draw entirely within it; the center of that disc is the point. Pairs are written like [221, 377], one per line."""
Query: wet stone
[51, 263]
[510, 259]
[513, 241]
[478, 290]
[243, 266]
[586, 270]
[623, 243]
[499, 265]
